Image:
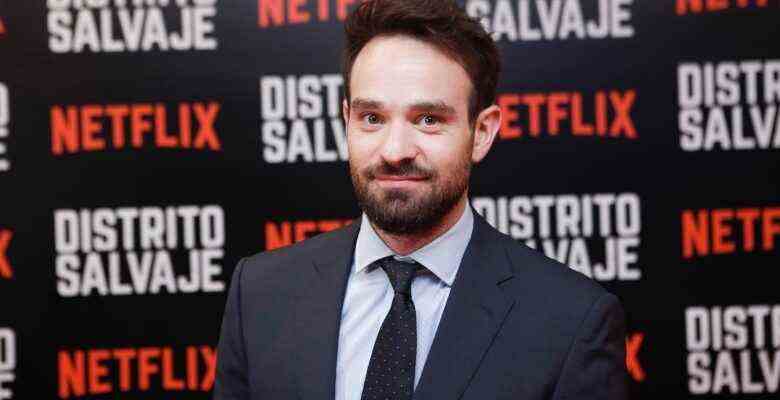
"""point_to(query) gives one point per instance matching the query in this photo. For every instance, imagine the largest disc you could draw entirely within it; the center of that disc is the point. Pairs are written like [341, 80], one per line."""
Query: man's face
[408, 133]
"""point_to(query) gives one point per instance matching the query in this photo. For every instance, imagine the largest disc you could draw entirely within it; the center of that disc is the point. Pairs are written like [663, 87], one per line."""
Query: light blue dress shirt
[369, 296]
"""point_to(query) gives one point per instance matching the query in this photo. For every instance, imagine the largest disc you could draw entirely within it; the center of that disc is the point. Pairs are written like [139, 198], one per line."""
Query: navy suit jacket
[517, 325]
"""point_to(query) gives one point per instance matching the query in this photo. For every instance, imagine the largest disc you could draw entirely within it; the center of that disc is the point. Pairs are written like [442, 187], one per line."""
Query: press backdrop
[147, 145]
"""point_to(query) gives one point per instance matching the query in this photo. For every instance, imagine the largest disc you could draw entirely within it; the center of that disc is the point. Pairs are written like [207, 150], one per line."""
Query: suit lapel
[473, 315]
[475, 310]
[318, 315]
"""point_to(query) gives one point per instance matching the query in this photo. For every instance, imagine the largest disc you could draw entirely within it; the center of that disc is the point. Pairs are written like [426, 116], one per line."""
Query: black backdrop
[140, 158]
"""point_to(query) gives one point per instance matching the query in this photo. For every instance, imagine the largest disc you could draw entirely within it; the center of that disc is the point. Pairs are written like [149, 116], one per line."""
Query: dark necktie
[390, 374]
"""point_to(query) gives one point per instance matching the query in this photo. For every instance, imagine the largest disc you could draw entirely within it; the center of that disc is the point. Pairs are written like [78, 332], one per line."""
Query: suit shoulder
[548, 274]
[564, 296]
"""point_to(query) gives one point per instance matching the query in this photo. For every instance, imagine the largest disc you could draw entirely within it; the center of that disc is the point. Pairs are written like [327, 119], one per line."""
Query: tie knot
[400, 273]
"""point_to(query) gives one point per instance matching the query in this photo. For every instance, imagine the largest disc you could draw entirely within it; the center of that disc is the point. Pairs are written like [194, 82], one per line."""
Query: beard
[405, 211]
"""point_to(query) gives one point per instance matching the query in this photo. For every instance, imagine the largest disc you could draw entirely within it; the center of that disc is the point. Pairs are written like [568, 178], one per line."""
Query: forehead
[400, 70]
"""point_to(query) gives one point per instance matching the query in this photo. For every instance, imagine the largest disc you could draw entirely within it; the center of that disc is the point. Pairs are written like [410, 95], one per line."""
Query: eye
[429, 120]
[371, 119]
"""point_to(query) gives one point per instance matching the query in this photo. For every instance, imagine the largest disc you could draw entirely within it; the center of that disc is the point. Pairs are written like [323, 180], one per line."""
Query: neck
[405, 244]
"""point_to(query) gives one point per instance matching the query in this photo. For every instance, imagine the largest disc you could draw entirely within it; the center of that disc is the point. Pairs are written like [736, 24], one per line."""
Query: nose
[399, 145]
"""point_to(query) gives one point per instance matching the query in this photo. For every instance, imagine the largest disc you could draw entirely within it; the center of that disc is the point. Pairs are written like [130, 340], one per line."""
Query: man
[420, 296]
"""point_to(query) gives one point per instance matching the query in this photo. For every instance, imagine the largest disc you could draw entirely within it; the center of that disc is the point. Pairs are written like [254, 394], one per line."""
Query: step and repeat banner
[147, 145]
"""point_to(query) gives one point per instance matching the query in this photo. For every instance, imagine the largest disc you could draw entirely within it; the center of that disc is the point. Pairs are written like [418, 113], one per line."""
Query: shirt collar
[442, 256]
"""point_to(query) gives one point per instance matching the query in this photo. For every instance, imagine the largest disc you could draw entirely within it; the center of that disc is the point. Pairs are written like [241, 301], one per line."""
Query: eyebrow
[436, 107]
[366, 104]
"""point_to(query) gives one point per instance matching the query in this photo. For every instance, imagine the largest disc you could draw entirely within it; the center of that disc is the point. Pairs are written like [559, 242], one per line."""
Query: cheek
[447, 153]
[360, 149]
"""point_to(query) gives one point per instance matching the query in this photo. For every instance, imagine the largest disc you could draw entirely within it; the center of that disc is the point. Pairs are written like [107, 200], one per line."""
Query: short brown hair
[440, 23]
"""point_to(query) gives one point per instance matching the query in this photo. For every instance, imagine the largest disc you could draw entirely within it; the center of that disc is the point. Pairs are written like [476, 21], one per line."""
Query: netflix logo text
[634, 342]
[603, 114]
[284, 233]
[273, 13]
[686, 7]
[707, 232]
[6, 270]
[111, 127]
[90, 372]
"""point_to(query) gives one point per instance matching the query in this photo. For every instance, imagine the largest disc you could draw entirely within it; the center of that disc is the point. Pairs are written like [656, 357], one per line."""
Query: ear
[345, 112]
[485, 129]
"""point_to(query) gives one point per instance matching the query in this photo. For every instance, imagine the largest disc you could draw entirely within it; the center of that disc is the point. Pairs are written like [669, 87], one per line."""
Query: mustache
[405, 169]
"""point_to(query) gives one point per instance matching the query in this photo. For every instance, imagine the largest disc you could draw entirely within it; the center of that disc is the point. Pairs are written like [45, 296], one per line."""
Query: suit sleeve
[231, 377]
[595, 367]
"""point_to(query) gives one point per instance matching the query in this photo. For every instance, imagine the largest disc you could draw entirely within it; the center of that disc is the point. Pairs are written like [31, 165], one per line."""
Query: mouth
[397, 178]
[399, 181]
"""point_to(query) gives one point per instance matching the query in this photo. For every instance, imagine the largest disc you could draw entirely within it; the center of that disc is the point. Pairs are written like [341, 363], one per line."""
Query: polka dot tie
[390, 374]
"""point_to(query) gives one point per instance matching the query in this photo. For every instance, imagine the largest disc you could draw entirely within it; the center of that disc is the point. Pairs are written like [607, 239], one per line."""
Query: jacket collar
[442, 256]
[475, 310]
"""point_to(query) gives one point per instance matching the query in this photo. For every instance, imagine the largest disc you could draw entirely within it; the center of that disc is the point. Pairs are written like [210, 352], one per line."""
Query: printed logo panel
[733, 349]
[301, 119]
[126, 26]
[139, 250]
[8, 362]
[729, 105]
[554, 20]
[596, 234]
[5, 127]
